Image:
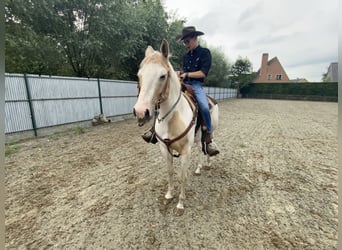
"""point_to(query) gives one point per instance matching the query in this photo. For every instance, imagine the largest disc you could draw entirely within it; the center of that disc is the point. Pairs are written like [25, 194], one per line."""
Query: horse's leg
[201, 159]
[208, 161]
[204, 160]
[184, 177]
[198, 145]
[169, 160]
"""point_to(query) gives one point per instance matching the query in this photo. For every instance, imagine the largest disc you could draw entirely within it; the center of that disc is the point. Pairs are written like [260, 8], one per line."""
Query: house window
[269, 77]
[278, 77]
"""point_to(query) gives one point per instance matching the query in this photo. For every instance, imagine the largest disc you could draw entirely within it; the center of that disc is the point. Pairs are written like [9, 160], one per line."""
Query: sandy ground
[274, 185]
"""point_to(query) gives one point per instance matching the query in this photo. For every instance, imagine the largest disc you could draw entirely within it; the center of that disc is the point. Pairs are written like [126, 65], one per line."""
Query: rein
[168, 142]
[172, 108]
[162, 98]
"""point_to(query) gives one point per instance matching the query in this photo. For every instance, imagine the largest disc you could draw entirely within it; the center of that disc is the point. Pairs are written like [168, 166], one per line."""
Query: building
[271, 71]
[332, 74]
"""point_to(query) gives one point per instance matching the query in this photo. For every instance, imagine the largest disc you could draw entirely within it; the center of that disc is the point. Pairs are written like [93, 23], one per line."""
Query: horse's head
[154, 81]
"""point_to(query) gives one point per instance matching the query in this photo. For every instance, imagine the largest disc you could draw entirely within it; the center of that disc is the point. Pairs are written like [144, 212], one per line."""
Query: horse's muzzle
[145, 118]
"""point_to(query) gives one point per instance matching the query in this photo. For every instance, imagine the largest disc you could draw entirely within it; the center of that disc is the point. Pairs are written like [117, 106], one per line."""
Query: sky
[302, 34]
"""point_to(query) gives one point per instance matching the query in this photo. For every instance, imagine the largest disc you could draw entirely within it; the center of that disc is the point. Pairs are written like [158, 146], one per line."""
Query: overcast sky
[303, 34]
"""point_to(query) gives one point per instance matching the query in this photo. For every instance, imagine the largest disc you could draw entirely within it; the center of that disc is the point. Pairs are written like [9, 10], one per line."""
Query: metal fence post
[29, 98]
[100, 96]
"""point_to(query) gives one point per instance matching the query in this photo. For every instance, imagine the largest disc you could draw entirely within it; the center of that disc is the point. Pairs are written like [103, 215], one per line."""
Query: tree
[26, 50]
[67, 28]
[325, 78]
[242, 73]
[89, 38]
[177, 48]
[93, 38]
[220, 69]
[148, 27]
[90, 33]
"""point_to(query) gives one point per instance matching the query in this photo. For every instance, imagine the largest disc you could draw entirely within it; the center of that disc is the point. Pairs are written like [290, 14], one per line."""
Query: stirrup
[150, 137]
[208, 149]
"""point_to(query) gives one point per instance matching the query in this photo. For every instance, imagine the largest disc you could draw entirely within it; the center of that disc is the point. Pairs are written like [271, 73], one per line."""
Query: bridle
[163, 97]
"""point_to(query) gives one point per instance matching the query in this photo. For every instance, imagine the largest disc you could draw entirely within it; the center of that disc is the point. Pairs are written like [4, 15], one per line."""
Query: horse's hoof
[167, 201]
[179, 211]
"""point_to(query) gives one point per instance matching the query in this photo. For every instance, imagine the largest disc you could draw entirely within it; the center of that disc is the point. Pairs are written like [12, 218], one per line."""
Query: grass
[11, 148]
[74, 131]
[79, 131]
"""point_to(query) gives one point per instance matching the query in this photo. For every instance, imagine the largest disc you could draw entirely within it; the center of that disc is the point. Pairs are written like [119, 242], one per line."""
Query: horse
[161, 96]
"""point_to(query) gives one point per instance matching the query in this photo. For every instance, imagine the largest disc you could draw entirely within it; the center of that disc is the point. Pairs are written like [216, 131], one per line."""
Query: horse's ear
[149, 51]
[164, 48]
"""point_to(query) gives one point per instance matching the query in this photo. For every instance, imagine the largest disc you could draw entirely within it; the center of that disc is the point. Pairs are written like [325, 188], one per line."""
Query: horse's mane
[157, 57]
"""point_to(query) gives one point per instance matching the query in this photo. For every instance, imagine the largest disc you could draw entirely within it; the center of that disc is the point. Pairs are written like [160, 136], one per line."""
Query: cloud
[247, 19]
[242, 45]
[302, 34]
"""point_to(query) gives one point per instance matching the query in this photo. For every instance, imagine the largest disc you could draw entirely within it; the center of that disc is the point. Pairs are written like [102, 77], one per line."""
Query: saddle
[189, 91]
[189, 94]
[150, 136]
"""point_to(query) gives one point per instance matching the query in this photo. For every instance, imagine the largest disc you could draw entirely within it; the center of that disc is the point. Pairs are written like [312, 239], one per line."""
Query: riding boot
[150, 136]
[207, 146]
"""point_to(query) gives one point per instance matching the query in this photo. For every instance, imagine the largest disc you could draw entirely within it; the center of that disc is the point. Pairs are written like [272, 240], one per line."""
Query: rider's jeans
[202, 102]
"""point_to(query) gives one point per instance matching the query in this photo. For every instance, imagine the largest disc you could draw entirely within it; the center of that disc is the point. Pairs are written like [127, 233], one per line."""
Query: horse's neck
[171, 101]
[174, 90]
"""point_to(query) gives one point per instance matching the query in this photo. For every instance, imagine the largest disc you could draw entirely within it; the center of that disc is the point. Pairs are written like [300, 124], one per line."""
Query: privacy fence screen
[33, 102]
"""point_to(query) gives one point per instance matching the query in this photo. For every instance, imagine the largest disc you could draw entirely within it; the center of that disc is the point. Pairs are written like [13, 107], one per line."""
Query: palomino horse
[175, 118]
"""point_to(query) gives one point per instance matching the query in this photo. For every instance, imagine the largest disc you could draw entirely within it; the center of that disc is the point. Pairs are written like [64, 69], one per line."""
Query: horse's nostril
[147, 114]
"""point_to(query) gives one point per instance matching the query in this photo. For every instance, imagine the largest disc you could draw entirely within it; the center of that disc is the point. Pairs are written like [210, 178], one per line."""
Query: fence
[33, 102]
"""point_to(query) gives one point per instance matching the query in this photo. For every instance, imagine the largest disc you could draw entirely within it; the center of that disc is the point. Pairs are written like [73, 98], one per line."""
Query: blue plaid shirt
[197, 59]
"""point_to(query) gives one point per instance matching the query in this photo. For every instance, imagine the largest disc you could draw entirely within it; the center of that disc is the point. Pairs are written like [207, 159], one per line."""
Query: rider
[196, 66]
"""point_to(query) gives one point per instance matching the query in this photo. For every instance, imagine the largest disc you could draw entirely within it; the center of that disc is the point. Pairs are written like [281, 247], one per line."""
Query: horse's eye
[163, 77]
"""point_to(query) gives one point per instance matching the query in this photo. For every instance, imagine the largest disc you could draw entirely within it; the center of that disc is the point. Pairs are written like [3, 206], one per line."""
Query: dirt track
[274, 186]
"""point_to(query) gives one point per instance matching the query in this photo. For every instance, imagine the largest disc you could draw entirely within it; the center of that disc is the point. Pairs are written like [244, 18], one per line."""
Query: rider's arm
[195, 74]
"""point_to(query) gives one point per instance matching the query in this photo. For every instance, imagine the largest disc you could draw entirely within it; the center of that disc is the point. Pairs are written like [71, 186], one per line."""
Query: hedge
[313, 90]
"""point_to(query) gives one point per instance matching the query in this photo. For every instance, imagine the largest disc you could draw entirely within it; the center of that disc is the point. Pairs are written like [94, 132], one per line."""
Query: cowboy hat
[189, 31]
